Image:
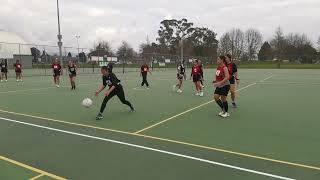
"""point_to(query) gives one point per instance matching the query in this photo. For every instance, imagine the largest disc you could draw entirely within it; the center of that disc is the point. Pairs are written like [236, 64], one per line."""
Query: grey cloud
[133, 20]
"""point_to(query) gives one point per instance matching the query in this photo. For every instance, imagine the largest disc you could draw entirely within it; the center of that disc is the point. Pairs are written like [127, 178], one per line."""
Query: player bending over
[222, 85]
[234, 80]
[72, 74]
[144, 73]
[195, 74]
[4, 70]
[180, 76]
[56, 67]
[18, 69]
[115, 88]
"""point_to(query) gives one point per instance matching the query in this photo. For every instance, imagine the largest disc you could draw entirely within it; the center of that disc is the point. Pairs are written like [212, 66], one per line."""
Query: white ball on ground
[87, 102]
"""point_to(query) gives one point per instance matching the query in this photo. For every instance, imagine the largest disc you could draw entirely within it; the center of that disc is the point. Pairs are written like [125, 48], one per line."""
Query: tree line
[177, 36]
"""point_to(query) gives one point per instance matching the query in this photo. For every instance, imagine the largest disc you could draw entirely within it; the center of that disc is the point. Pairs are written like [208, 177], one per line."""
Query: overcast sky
[132, 21]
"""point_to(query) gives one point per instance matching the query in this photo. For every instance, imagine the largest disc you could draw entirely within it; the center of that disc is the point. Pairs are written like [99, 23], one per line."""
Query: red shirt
[144, 69]
[18, 66]
[56, 67]
[196, 70]
[220, 73]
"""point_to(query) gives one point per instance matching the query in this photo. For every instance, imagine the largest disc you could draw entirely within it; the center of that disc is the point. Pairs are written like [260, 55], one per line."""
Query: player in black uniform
[4, 70]
[180, 76]
[115, 88]
[72, 74]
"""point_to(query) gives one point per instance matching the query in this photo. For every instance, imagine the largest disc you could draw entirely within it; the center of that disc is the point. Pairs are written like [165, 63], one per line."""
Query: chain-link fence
[37, 59]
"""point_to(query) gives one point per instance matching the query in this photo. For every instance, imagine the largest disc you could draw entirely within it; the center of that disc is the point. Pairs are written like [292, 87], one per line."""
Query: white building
[12, 44]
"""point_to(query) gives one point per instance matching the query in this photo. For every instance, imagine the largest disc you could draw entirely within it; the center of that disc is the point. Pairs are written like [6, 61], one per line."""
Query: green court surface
[273, 134]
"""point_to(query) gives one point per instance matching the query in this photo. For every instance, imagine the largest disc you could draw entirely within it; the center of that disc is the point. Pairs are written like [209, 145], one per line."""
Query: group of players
[4, 70]
[226, 78]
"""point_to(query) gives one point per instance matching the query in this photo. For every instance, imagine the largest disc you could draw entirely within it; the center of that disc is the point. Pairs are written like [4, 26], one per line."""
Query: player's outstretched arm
[99, 90]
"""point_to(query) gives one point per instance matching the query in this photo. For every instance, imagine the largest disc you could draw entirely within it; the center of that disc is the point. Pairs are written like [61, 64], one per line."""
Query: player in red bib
[56, 67]
[196, 75]
[222, 85]
[234, 79]
[18, 69]
[144, 72]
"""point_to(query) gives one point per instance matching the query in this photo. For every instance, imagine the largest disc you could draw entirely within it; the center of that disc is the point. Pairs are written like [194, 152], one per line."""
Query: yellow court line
[37, 177]
[171, 141]
[32, 168]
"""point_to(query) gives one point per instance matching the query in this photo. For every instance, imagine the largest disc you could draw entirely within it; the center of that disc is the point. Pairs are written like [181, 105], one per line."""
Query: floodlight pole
[59, 34]
[78, 36]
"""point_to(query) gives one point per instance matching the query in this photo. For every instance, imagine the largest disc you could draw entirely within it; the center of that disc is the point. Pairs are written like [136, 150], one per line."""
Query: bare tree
[225, 44]
[278, 43]
[237, 38]
[253, 42]
[233, 42]
[125, 51]
[297, 40]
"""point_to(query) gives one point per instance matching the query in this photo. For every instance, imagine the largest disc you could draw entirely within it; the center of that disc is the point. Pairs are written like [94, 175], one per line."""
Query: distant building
[13, 47]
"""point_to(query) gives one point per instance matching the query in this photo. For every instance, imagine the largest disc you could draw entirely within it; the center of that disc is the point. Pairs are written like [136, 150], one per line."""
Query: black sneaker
[99, 117]
[234, 105]
[132, 109]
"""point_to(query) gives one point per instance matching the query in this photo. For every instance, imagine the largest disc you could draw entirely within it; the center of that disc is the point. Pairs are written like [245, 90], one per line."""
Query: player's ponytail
[230, 57]
[223, 58]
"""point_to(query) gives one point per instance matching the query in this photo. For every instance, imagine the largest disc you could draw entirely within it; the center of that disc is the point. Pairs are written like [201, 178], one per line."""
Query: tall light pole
[59, 34]
[78, 37]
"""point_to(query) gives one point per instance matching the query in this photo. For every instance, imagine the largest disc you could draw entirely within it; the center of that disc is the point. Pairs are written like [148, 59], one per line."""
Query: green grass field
[45, 133]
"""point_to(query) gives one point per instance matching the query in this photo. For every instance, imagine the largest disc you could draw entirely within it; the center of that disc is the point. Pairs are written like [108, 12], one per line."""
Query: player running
[72, 74]
[115, 88]
[195, 74]
[4, 70]
[18, 69]
[222, 85]
[180, 76]
[56, 68]
[144, 73]
[234, 80]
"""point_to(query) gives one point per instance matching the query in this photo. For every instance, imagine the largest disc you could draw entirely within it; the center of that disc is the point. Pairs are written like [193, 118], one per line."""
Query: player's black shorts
[71, 75]
[222, 91]
[56, 74]
[232, 80]
[4, 70]
[180, 76]
[18, 72]
[196, 78]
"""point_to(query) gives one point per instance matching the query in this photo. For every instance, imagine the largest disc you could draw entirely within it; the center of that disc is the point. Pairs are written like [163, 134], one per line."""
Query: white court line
[197, 107]
[141, 89]
[150, 149]
[39, 89]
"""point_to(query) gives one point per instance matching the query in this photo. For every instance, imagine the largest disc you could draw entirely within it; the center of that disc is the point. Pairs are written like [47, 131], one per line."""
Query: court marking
[44, 173]
[150, 149]
[39, 89]
[189, 110]
[141, 89]
[37, 177]
[170, 141]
